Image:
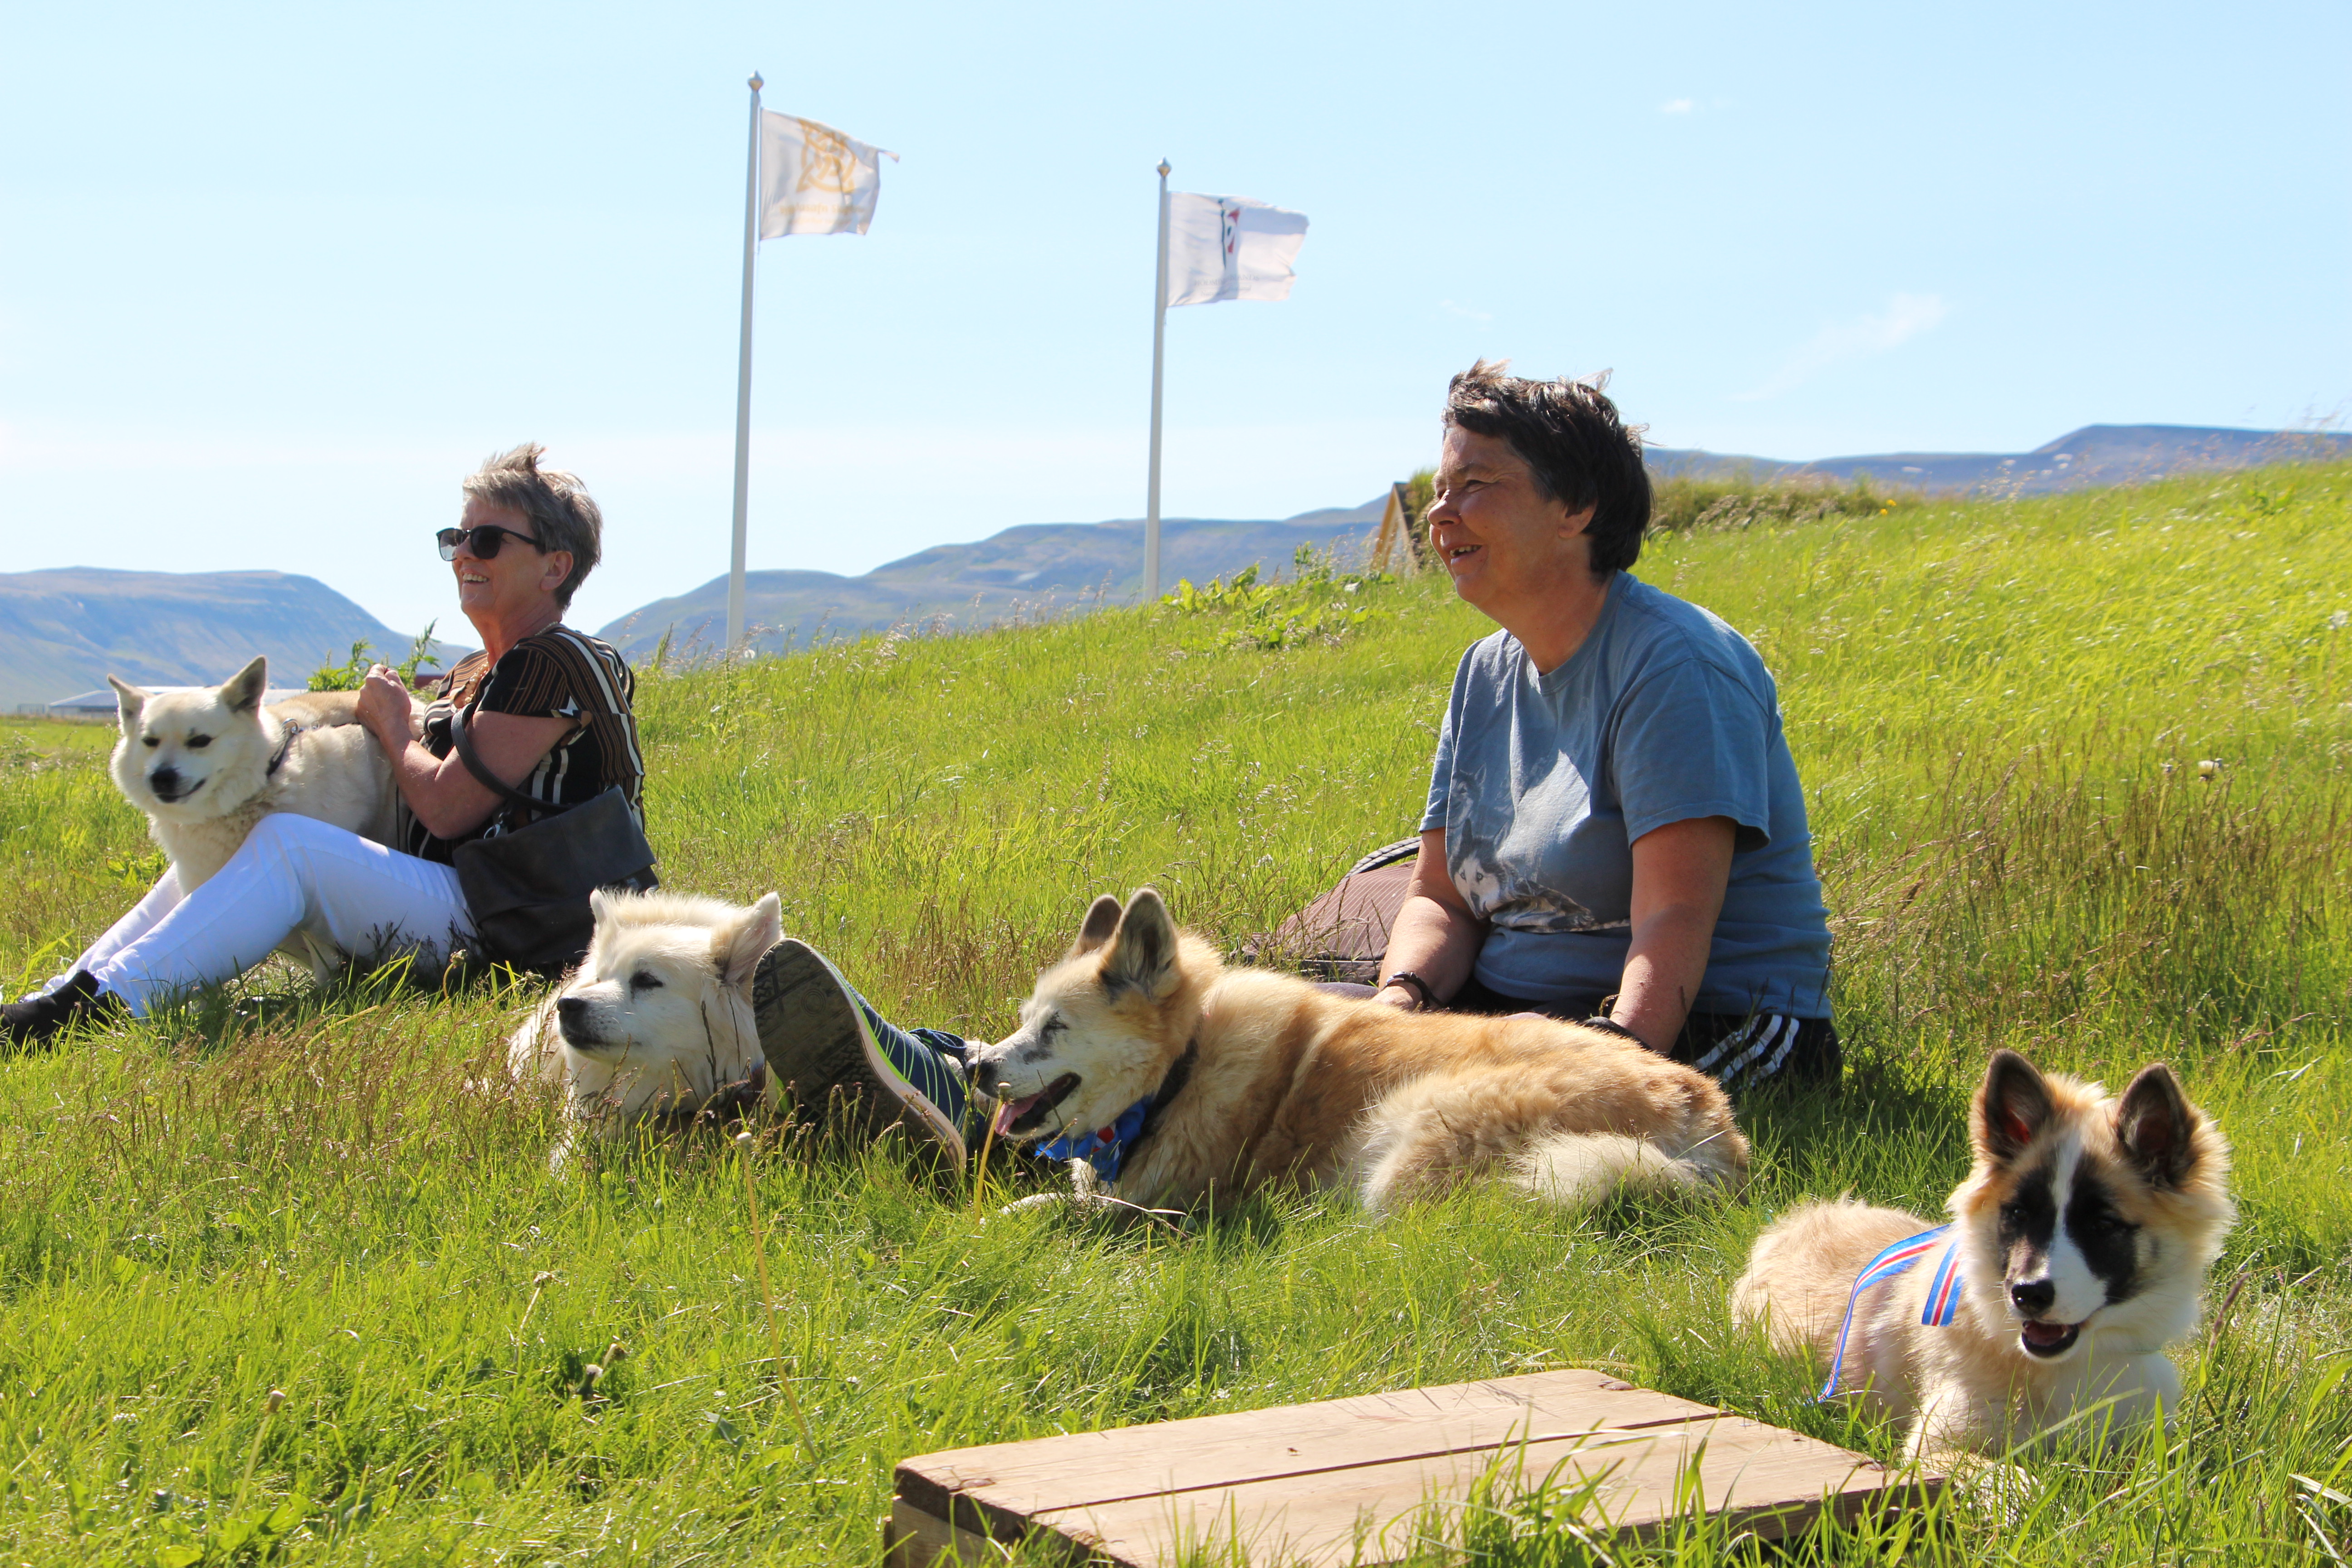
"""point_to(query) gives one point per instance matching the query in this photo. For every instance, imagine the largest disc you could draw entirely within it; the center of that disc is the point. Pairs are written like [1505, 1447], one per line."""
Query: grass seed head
[276, 1400]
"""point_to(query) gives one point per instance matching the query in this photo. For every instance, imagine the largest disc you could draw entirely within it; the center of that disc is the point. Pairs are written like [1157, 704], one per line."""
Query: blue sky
[272, 279]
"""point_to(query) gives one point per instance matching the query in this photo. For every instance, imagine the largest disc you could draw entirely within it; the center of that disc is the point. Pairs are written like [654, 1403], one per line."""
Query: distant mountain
[62, 632]
[2095, 455]
[1038, 566]
[1031, 569]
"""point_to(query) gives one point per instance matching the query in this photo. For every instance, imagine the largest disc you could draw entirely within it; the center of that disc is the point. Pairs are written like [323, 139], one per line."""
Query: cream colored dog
[2077, 1252]
[1217, 1079]
[658, 1018]
[205, 763]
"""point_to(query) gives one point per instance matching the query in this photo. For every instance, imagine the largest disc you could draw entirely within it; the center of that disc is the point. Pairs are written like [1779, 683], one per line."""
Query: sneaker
[38, 1017]
[823, 1039]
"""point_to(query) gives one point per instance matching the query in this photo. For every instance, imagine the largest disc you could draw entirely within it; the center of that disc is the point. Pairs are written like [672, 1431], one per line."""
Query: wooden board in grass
[1347, 1480]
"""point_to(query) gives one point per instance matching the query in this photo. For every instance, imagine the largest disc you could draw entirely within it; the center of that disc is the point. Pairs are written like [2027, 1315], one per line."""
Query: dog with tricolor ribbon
[2076, 1251]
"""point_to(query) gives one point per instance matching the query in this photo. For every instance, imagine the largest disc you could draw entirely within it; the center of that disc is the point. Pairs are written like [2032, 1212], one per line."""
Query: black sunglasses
[486, 542]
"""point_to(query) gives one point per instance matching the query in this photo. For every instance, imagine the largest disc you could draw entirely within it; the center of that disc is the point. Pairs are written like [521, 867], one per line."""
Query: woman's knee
[283, 831]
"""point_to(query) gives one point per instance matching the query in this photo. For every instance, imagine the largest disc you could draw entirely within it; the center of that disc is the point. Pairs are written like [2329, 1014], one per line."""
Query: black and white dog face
[2092, 1214]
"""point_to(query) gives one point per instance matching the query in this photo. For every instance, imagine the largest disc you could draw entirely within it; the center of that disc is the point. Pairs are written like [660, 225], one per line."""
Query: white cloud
[1906, 316]
[1676, 106]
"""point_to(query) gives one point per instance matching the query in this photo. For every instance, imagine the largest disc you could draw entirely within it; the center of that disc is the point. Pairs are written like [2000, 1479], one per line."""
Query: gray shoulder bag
[528, 889]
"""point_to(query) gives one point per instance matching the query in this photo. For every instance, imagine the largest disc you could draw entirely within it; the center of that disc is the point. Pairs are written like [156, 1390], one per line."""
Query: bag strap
[488, 780]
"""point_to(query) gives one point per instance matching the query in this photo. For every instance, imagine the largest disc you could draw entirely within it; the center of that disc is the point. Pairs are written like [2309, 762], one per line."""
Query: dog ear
[600, 906]
[1102, 919]
[1142, 955]
[2157, 1127]
[131, 700]
[2011, 1107]
[739, 947]
[243, 691]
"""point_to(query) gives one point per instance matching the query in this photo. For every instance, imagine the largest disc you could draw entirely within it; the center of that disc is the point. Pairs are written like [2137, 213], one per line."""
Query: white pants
[292, 874]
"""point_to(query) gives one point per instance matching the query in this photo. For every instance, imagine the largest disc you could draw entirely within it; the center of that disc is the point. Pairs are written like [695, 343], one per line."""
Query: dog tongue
[1007, 1115]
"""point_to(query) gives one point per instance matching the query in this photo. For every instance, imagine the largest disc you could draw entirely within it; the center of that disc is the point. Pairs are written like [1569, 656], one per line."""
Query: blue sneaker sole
[818, 1046]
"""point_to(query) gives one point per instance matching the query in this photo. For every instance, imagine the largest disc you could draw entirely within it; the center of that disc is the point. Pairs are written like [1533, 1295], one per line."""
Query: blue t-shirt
[1543, 782]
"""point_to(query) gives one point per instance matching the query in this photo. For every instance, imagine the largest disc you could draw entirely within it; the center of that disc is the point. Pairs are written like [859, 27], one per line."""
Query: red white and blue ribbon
[1943, 1288]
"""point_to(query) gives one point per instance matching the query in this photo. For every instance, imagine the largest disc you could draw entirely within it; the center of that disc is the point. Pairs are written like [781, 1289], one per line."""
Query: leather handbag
[1344, 934]
[527, 889]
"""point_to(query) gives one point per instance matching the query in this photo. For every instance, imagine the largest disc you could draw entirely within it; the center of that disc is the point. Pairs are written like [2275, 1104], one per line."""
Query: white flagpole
[1158, 347]
[743, 380]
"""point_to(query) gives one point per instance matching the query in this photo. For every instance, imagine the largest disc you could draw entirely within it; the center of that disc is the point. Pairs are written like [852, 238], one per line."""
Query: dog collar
[285, 750]
[1109, 1148]
[1943, 1289]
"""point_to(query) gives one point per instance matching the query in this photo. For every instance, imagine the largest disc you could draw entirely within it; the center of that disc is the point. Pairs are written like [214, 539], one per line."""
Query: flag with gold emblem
[814, 180]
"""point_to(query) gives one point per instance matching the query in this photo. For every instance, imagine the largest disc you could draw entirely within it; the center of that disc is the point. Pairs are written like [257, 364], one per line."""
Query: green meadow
[2081, 776]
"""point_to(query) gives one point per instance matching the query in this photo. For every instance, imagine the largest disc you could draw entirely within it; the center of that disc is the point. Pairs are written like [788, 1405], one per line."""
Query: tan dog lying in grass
[1225, 1079]
[657, 1021]
[2078, 1249]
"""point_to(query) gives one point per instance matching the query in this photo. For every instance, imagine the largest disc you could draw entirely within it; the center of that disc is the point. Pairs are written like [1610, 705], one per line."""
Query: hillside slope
[1021, 571]
[63, 631]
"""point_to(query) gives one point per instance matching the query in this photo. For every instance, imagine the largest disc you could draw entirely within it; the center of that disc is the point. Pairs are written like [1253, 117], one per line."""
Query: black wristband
[1414, 983]
[1609, 1026]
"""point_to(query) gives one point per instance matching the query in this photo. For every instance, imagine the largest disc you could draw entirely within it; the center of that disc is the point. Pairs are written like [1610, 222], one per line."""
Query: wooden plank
[913, 1539]
[998, 1488]
[1766, 1479]
[1306, 1482]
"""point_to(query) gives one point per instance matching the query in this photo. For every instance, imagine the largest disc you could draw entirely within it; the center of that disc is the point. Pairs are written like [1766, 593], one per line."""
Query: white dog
[206, 763]
[658, 1018]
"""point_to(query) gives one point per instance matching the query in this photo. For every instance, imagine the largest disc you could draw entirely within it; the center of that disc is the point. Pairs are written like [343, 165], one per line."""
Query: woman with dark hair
[1615, 831]
[547, 709]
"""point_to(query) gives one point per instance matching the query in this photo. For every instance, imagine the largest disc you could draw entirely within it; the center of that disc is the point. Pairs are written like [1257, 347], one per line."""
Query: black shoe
[823, 1040]
[36, 1018]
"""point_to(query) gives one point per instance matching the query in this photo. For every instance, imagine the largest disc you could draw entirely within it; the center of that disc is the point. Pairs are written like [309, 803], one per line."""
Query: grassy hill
[2001, 709]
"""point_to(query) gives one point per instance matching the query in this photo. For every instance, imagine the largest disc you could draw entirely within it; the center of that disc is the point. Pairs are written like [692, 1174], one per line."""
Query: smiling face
[1506, 544]
[517, 588]
[2090, 1213]
[1100, 1030]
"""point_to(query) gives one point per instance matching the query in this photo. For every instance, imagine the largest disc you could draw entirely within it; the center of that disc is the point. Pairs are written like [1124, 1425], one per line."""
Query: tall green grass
[2000, 709]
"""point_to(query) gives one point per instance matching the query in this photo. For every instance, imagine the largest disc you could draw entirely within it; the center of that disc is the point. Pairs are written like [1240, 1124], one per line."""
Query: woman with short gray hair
[547, 709]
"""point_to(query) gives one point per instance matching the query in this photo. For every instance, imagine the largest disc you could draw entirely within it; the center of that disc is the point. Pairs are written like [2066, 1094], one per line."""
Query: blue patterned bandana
[1943, 1290]
[1106, 1149]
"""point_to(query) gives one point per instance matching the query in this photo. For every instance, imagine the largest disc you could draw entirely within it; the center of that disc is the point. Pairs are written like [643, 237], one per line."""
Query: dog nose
[165, 780]
[2033, 1296]
[571, 1009]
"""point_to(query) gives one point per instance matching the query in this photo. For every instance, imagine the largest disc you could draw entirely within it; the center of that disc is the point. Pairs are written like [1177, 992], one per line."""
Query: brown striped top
[555, 674]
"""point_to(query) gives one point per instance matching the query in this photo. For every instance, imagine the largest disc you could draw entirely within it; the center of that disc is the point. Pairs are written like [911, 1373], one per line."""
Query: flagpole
[1158, 348]
[743, 379]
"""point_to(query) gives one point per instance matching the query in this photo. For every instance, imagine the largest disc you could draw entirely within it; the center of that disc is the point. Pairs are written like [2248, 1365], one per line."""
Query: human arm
[1680, 873]
[1434, 935]
[448, 800]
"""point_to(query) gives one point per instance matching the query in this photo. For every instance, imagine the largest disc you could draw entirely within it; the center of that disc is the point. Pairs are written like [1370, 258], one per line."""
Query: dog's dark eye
[198, 743]
[644, 979]
[152, 740]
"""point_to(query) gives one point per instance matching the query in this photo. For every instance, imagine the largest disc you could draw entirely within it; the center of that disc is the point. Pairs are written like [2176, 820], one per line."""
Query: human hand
[383, 706]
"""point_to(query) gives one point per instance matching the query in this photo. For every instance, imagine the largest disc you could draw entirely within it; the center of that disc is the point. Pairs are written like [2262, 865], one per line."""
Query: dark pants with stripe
[1740, 1050]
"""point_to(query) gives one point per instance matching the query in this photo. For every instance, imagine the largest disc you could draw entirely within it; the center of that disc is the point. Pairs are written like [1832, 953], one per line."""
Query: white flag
[814, 180]
[1229, 247]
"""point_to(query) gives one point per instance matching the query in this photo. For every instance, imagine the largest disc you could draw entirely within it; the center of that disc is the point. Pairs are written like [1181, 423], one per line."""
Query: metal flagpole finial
[1163, 168]
[756, 83]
